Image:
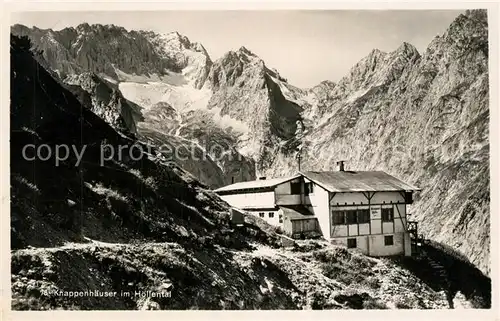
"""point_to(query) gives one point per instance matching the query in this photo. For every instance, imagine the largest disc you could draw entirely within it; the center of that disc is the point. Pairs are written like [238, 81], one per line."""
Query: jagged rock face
[423, 118]
[197, 143]
[239, 89]
[146, 226]
[123, 199]
[239, 84]
[246, 90]
[114, 51]
[94, 61]
[420, 116]
[190, 57]
[372, 73]
[105, 100]
[205, 145]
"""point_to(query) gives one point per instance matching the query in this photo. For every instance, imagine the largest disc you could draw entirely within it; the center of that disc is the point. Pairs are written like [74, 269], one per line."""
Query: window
[281, 218]
[308, 188]
[388, 240]
[261, 214]
[351, 243]
[338, 217]
[351, 217]
[295, 188]
[387, 214]
[408, 197]
[363, 216]
[271, 214]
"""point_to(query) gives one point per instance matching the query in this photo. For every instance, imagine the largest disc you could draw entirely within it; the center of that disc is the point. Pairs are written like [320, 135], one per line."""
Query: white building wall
[352, 229]
[340, 199]
[407, 244]
[274, 220]
[375, 223]
[250, 200]
[283, 194]
[364, 229]
[338, 230]
[358, 198]
[381, 197]
[318, 202]
[377, 245]
[373, 243]
[284, 188]
[400, 217]
[361, 242]
[285, 199]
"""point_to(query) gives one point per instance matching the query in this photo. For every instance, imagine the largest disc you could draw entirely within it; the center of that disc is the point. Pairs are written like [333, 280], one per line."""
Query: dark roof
[363, 181]
[334, 181]
[261, 183]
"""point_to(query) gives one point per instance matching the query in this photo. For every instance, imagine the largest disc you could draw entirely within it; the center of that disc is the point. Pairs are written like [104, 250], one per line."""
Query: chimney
[340, 165]
[262, 178]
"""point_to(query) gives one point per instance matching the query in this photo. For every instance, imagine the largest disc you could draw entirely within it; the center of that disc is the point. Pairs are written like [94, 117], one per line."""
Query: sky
[305, 46]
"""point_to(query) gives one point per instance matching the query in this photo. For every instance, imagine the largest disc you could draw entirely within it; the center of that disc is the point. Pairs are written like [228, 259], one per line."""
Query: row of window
[353, 243]
[262, 214]
[359, 216]
[271, 215]
[351, 216]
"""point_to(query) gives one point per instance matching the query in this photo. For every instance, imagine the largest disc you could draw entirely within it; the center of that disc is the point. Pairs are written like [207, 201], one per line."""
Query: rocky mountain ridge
[105, 100]
[424, 118]
[118, 53]
[420, 116]
[151, 237]
[137, 59]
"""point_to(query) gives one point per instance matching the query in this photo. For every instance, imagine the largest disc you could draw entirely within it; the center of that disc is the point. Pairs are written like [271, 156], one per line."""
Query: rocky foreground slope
[420, 116]
[142, 226]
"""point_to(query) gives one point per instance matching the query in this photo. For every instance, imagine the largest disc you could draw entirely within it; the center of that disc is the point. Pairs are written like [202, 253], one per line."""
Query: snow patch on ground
[108, 79]
[170, 77]
[192, 56]
[226, 121]
[356, 95]
[249, 147]
[180, 95]
[174, 91]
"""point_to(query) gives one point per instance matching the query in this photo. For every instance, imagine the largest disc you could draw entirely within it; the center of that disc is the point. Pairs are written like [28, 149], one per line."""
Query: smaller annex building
[366, 210]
